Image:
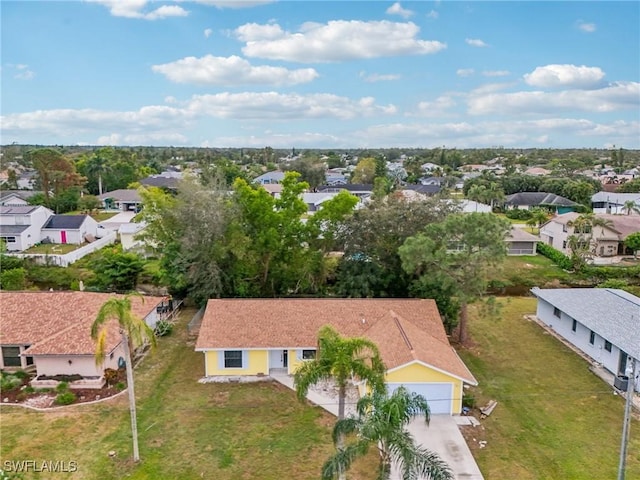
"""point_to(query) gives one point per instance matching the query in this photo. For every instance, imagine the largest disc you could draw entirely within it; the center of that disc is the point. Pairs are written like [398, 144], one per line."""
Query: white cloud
[476, 42]
[210, 70]
[23, 72]
[586, 27]
[396, 9]
[490, 87]
[496, 73]
[207, 32]
[335, 41]
[567, 76]
[134, 9]
[465, 72]
[278, 140]
[280, 106]
[234, 4]
[377, 77]
[433, 14]
[142, 139]
[615, 97]
[438, 108]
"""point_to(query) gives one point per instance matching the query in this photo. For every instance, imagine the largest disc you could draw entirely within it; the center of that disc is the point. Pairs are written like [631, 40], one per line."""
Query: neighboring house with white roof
[314, 201]
[610, 202]
[16, 198]
[471, 206]
[20, 226]
[603, 323]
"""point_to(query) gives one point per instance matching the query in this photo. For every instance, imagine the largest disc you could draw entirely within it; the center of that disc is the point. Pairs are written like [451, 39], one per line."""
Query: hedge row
[556, 256]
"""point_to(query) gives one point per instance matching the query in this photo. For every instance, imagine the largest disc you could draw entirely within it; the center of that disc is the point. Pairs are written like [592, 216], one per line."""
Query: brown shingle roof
[405, 330]
[59, 323]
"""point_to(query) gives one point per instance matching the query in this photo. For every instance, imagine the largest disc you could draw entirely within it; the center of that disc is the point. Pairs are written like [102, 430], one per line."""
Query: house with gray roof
[20, 225]
[275, 176]
[16, 198]
[603, 323]
[551, 201]
[611, 202]
[125, 200]
[75, 229]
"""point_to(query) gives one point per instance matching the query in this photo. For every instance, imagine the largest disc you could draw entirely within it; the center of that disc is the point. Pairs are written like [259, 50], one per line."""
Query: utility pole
[631, 375]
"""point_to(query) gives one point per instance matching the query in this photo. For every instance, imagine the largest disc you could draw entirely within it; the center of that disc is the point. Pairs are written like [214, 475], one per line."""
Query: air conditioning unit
[621, 382]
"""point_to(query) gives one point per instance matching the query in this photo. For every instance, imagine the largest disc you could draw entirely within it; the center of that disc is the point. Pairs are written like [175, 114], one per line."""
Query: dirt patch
[474, 436]
[40, 399]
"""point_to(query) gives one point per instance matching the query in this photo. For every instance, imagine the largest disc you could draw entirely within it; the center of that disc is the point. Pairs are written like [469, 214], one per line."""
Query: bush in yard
[62, 387]
[117, 271]
[120, 386]
[9, 382]
[163, 328]
[15, 279]
[65, 398]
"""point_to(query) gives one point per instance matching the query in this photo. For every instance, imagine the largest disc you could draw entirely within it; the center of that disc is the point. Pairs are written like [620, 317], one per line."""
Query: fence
[71, 257]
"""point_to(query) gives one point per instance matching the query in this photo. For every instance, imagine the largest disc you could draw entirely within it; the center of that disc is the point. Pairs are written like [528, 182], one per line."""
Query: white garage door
[438, 395]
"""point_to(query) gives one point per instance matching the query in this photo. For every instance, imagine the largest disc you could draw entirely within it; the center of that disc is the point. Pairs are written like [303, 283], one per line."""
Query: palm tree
[381, 421]
[631, 206]
[340, 359]
[133, 332]
[581, 243]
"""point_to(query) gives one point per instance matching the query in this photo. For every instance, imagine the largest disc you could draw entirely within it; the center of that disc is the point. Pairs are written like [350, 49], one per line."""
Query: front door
[285, 358]
[63, 237]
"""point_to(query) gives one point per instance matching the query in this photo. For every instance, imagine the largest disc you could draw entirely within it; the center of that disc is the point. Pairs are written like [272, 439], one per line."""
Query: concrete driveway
[443, 437]
[118, 219]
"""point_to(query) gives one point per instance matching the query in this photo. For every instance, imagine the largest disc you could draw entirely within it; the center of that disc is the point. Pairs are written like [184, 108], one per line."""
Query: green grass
[53, 248]
[98, 216]
[529, 271]
[187, 430]
[554, 419]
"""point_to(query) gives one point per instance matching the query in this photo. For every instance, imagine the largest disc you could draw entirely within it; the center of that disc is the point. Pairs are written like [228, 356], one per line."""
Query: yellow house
[262, 336]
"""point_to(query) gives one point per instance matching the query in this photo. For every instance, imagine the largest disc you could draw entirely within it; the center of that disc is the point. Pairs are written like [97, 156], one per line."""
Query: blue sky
[324, 74]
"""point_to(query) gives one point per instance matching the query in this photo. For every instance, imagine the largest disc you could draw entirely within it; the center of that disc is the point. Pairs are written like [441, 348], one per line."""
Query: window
[592, 337]
[11, 356]
[10, 239]
[556, 312]
[308, 354]
[607, 345]
[233, 359]
[564, 244]
[574, 326]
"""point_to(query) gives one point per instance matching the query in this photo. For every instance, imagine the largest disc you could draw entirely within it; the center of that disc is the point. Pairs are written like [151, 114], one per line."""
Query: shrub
[120, 386]
[65, 398]
[15, 279]
[9, 382]
[21, 374]
[62, 387]
[113, 376]
[468, 400]
[518, 214]
[29, 390]
[555, 256]
[163, 328]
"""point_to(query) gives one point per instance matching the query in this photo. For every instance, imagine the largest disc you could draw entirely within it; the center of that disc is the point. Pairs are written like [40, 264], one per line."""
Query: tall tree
[133, 333]
[381, 422]
[340, 359]
[371, 237]
[55, 172]
[365, 171]
[458, 252]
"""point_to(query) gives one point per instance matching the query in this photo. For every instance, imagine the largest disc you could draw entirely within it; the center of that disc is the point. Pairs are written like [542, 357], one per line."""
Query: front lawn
[187, 430]
[526, 271]
[54, 248]
[554, 419]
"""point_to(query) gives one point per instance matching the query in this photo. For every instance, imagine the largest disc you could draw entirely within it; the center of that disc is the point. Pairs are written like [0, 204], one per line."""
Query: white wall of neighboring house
[581, 337]
[73, 236]
[553, 234]
[84, 365]
[29, 236]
